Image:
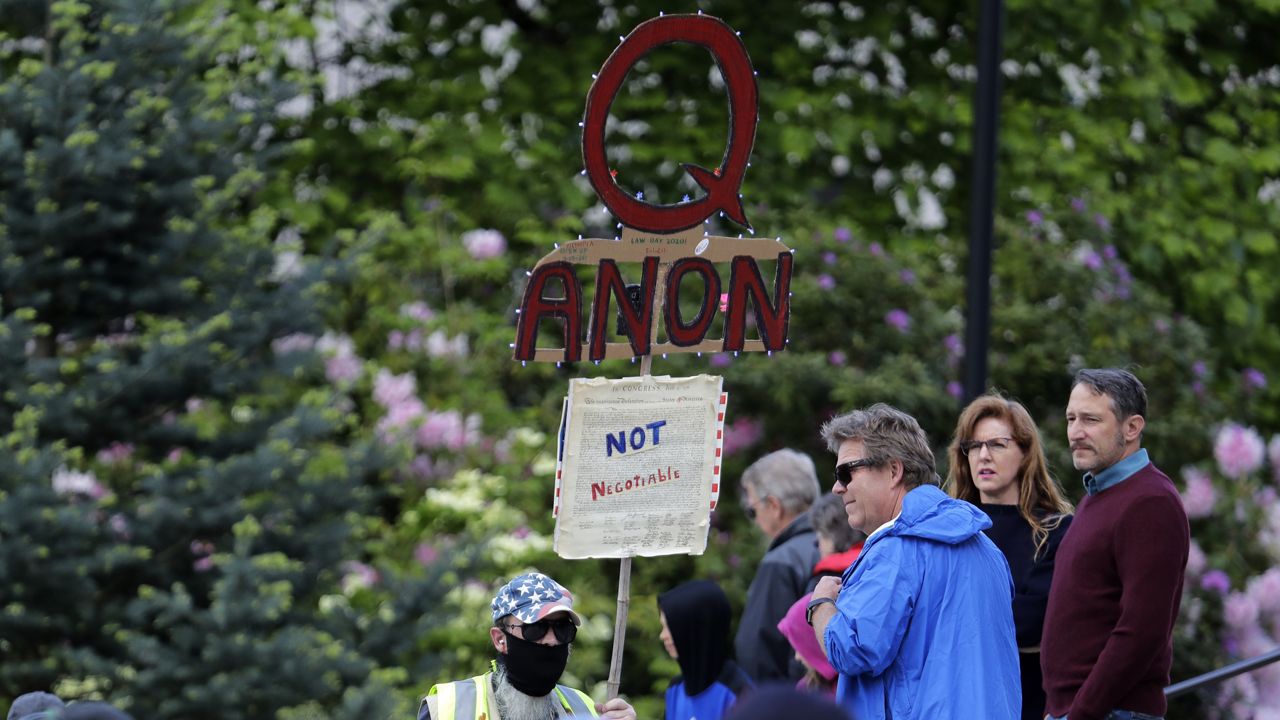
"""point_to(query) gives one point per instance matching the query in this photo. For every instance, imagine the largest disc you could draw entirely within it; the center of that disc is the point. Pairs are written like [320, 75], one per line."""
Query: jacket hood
[931, 514]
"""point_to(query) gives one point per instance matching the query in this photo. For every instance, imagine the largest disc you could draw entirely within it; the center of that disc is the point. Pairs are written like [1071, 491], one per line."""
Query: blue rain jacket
[924, 622]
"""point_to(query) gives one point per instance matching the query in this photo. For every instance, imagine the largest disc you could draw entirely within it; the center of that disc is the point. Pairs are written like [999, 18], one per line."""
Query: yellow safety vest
[469, 700]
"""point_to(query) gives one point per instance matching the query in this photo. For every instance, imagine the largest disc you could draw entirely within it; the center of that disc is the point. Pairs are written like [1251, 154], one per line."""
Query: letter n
[679, 333]
[771, 318]
[639, 322]
[535, 307]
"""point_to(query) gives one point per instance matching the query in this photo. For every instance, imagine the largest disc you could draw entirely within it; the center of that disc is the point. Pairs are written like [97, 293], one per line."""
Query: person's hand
[616, 709]
[828, 587]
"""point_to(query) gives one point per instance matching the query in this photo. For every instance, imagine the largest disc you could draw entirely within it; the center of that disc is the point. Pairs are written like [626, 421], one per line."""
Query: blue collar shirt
[1117, 473]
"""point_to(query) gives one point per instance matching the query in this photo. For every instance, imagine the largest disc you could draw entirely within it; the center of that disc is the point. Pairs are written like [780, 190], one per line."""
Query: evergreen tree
[180, 488]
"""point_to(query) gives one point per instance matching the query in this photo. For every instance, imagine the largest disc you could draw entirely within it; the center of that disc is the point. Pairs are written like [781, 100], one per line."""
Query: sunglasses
[845, 471]
[565, 630]
[995, 445]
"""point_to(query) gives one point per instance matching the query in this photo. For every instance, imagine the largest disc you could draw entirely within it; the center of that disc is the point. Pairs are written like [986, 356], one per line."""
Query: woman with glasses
[695, 620]
[998, 464]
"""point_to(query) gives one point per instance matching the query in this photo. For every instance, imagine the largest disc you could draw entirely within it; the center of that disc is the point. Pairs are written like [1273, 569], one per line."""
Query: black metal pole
[1223, 673]
[986, 123]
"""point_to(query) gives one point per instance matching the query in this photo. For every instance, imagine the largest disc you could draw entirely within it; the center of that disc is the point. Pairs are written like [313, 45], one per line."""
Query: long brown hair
[1040, 502]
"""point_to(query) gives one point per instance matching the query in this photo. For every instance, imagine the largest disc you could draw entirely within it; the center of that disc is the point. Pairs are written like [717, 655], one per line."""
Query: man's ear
[1133, 428]
[499, 640]
[896, 472]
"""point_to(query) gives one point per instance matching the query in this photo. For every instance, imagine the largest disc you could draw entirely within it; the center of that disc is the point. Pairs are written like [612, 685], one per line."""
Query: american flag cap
[531, 597]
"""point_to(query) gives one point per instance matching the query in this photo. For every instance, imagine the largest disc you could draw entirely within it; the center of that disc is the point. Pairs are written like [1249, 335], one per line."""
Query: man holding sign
[533, 627]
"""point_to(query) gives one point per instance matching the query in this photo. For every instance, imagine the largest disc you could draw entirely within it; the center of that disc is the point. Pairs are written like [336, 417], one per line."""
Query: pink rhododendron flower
[204, 564]
[1238, 450]
[1196, 560]
[417, 310]
[898, 319]
[484, 244]
[358, 576]
[955, 389]
[423, 467]
[400, 416]
[1253, 379]
[842, 235]
[876, 249]
[837, 357]
[390, 390]
[721, 360]
[1216, 581]
[1239, 611]
[440, 345]
[425, 554]
[826, 282]
[1265, 591]
[342, 366]
[449, 430]
[1034, 217]
[1200, 496]
[119, 525]
[117, 453]
[741, 434]
[71, 482]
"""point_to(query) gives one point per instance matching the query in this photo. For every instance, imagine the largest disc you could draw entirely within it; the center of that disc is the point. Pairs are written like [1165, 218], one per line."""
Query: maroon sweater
[1108, 632]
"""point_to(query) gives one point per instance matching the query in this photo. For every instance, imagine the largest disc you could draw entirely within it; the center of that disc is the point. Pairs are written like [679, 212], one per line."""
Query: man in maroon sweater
[1107, 643]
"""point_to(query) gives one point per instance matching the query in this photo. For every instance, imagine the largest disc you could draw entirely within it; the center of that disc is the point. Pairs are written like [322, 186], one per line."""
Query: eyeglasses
[564, 630]
[845, 471]
[995, 445]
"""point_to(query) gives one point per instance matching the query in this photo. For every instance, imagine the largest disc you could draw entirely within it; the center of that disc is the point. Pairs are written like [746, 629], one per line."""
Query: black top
[698, 614]
[1032, 577]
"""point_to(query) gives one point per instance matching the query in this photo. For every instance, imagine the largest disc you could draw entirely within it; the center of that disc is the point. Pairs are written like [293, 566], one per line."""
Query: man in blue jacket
[921, 625]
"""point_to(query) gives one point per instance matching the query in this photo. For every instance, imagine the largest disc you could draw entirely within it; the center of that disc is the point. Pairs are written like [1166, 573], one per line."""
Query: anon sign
[664, 240]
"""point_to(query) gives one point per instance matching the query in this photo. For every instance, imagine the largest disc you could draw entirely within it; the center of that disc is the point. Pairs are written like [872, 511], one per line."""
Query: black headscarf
[698, 616]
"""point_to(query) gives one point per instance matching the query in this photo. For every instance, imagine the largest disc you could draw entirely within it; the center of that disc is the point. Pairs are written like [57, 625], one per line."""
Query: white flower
[484, 244]
[71, 482]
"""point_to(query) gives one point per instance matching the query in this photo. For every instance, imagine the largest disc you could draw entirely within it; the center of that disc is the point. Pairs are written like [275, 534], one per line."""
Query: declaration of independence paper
[639, 472]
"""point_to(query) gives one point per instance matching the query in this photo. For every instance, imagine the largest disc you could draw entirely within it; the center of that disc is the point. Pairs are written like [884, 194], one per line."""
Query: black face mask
[533, 668]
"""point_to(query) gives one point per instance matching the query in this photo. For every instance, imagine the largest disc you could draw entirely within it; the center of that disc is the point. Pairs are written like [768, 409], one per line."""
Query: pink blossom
[1239, 611]
[297, 342]
[440, 345]
[342, 366]
[1265, 591]
[954, 346]
[1199, 496]
[907, 276]
[521, 532]
[741, 434]
[724, 302]
[721, 360]
[117, 453]
[1034, 217]
[194, 405]
[423, 467]
[1238, 450]
[417, 310]
[842, 235]
[1254, 379]
[484, 244]
[390, 390]
[204, 564]
[955, 389]
[175, 455]
[876, 249]
[358, 576]
[829, 258]
[70, 482]
[1077, 204]
[395, 340]
[425, 554]
[826, 282]
[448, 430]
[898, 319]
[1196, 560]
[1216, 581]
[399, 417]
[1273, 454]
[1199, 368]
[837, 357]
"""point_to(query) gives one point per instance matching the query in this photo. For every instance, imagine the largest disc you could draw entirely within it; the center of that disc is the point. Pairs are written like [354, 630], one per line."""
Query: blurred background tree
[260, 264]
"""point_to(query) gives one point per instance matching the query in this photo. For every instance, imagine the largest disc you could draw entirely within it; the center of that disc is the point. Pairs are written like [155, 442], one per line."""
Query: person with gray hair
[777, 491]
[1107, 645]
[928, 605]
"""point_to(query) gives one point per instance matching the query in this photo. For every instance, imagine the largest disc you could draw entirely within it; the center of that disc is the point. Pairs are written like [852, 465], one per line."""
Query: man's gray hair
[886, 434]
[1127, 393]
[786, 475]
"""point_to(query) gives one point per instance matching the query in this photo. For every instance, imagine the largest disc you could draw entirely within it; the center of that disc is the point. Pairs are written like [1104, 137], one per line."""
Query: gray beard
[515, 705]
